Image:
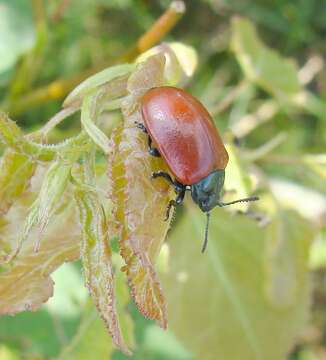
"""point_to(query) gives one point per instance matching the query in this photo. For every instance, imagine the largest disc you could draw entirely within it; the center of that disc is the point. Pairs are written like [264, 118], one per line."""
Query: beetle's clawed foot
[141, 126]
[172, 203]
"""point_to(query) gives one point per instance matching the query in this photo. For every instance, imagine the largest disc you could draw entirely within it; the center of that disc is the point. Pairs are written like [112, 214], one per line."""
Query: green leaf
[91, 340]
[97, 262]
[247, 297]
[12, 136]
[237, 181]
[114, 78]
[9, 130]
[90, 110]
[262, 65]
[16, 31]
[16, 171]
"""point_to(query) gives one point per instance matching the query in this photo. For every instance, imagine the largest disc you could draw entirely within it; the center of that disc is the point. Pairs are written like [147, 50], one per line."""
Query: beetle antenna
[252, 198]
[206, 234]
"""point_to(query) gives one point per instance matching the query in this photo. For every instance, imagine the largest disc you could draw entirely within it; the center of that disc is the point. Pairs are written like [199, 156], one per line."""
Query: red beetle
[187, 139]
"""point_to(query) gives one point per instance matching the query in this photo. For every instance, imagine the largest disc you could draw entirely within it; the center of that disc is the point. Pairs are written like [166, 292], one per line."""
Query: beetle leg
[141, 127]
[179, 199]
[152, 151]
[176, 185]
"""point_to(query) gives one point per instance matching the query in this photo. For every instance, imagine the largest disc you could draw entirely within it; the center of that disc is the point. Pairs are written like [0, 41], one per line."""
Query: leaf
[12, 136]
[139, 202]
[113, 78]
[9, 130]
[91, 331]
[89, 112]
[27, 284]
[51, 193]
[309, 203]
[148, 74]
[181, 61]
[262, 65]
[16, 171]
[97, 262]
[237, 181]
[16, 31]
[247, 297]
[317, 163]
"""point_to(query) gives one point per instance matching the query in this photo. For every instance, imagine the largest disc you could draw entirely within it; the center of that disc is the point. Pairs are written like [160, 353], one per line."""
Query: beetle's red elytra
[186, 137]
[184, 133]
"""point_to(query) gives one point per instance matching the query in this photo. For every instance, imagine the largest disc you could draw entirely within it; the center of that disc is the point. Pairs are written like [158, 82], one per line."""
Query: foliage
[83, 189]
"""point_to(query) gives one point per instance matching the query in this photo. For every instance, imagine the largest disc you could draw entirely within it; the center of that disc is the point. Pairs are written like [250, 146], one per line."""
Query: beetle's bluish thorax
[206, 193]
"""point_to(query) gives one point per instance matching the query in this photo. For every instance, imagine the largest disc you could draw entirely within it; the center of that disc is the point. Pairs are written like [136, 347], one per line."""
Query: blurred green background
[249, 295]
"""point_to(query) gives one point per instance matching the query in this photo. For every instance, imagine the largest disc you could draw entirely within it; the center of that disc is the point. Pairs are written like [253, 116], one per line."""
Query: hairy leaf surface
[26, 284]
[140, 202]
[97, 261]
[16, 171]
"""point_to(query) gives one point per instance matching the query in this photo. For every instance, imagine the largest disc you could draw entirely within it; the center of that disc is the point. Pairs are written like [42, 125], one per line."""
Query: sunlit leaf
[261, 64]
[16, 171]
[317, 163]
[9, 130]
[140, 202]
[89, 112]
[237, 181]
[114, 78]
[307, 202]
[26, 285]
[12, 136]
[97, 262]
[247, 297]
[181, 61]
[91, 331]
[149, 73]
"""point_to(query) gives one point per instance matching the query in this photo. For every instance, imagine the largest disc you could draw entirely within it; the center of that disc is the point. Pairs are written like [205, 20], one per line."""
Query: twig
[59, 88]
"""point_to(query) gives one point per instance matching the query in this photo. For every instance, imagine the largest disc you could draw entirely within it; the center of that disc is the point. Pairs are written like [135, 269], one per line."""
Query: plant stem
[59, 88]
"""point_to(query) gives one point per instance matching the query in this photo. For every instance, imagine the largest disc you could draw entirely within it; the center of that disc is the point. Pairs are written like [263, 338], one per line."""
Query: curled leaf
[114, 78]
[181, 61]
[148, 74]
[90, 110]
[97, 262]
[16, 171]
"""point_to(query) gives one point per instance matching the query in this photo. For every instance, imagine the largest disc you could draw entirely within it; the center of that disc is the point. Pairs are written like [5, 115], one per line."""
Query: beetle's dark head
[206, 193]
